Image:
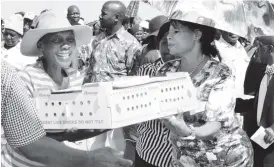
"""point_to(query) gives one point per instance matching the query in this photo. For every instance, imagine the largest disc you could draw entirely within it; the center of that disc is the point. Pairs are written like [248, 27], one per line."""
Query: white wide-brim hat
[47, 23]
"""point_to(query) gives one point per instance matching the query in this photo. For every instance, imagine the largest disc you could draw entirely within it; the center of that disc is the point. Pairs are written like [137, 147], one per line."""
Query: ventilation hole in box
[145, 93]
[124, 98]
[132, 96]
[137, 107]
[182, 97]
[128, 97]
[141, 105]
[81, 102]
[170, 89]
[71, 114]
[63, 114]
[170, 100]
[178, 87]
[90, 113]
[149, 103]
[54, 114]
[60, 103]
[182, 86]
[128, 109]
[73, 102]
[166, 100]
[52, 104]
[178, 98]
[162, 90]
[166, 89]
[162, 101]
[174, 88]
[46, 114]
[145, 105]
[174, 99]
[137, 95]
[46, 104]
[88, 102]
[81, 114]
[132, 108]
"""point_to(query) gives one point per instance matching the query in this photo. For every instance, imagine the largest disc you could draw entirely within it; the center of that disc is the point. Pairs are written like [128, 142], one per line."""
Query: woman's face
[58, 48]
[163, 47]
[11, 37]
[180, 39]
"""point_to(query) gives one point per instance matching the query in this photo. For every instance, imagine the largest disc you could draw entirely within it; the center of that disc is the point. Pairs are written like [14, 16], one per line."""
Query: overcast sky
[90, 9]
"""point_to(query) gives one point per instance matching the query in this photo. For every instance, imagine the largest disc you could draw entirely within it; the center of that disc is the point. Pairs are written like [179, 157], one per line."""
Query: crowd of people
[232, 75]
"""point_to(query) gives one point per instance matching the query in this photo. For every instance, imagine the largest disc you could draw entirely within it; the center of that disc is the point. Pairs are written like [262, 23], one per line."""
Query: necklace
[197, 65]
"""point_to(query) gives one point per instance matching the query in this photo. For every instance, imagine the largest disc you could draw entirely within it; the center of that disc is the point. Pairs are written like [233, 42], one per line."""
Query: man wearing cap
[73, 15]
[12, 36]
[23, 140]
[151, 52]
[259, 81]
[114, 50]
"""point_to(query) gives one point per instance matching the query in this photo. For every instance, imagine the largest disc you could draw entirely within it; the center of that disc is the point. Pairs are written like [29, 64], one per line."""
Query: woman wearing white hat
[212, 137]
[13, 34]
[55, 41]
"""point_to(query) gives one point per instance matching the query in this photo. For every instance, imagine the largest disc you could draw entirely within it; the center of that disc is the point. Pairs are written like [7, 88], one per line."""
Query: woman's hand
[177, 126]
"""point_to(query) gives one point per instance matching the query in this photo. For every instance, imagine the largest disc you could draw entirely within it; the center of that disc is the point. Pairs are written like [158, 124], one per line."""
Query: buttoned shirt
[113, 56]
[237, 59]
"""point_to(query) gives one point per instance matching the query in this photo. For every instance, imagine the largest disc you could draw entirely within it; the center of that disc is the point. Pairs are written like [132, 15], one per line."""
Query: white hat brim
[82, 33]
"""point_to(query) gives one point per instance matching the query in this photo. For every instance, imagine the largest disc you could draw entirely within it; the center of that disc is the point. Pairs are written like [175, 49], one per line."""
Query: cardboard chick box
[116, 104]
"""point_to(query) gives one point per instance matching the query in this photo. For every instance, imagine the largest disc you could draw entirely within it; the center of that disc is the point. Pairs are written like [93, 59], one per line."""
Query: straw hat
[48, 22]
[191, 16]
[15, 23]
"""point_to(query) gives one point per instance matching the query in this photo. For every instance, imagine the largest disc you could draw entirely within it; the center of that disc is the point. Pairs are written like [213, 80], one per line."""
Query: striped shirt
[150, 68]
[153, 144]
[35, 77]
[20, 125]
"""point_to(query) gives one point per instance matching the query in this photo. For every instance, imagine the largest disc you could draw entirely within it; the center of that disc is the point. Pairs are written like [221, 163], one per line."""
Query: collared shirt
[237, 59]
[14, 57]
[113, 56]
[19, 122]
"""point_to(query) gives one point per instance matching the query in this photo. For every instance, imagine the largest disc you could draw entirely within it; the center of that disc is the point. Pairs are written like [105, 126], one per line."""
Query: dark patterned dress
[231, 146]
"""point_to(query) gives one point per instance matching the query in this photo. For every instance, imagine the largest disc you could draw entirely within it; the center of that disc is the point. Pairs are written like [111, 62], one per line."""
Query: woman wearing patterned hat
[212, 137]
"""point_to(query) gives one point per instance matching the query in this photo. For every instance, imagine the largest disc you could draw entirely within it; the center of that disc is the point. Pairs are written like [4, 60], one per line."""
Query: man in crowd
[233, 54]
[259, 81]
[150, 52]
[115, 50]
[23, 133]
[73, 15]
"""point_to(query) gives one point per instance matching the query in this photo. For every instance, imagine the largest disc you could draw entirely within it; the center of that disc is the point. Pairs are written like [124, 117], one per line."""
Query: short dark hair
[207, 39]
